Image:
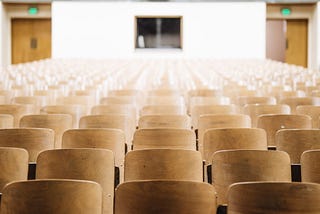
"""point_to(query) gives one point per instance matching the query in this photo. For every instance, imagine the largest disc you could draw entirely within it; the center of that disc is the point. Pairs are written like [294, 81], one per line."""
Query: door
[297, 42]
[276, 40]
[31, 40]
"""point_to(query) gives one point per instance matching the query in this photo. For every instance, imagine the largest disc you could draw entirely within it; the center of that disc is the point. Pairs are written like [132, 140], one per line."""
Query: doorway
[30, 40]
[287, 41]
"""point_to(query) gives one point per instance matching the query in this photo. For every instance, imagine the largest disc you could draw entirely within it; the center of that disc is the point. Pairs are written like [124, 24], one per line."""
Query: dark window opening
[158, 32]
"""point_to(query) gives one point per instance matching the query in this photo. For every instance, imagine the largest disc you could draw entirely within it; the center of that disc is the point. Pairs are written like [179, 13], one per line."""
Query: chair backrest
[13, 165]
[86, 101]
[274, 122]
[168, 164]
[165, 100]
[164, 138]
[164, 121]
[254, 111]
[296, 141]
[243, 100]
[34, 140]
[59, 123]
[312, 111]
[82, 164]
[210, 121]
[36, 101]
[114, 121]
[232, 138]
[76, 111]
[52, 196]
[310, 166]
[163, 109]
[293, 102]
[124, 109]
[6, 121]
[170, 197]
[274, 197]
[220, 100]
[17, 111]
[101, 138]
[199, 110]
[234, 166]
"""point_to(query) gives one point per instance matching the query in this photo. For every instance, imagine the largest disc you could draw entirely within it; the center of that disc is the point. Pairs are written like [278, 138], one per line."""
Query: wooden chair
[17, 111]
[101, 138]
[7, 96]
[293, 102]
[310, 166]
[221, 100]
[273, 197]
[164, 92]
[82, 164]
[296, 141]
[312, 111]
[35, 101]
[115, 109]
[76, 111]
[232, 138]
[168, 164]
[13, 165]
[170, 197]
[234, 166]
[254, 111]
[272, 123]
[164, 121]
[165, 100]
[6, 121]
[209, 121]
[52, 196]
[162, 138]
[114, 121]
[59, 123]
[199, 110]
[163, 109]
[244, 100]
[86, 101]
[34, 140]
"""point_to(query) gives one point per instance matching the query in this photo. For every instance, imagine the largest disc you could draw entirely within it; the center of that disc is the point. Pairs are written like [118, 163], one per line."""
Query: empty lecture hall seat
[164, 138]
[35, 101]
[76, 111]
[34, 140]
[17, 111]
[312, 111]
[165, 100]
[293, 102]
[114, 121]
[198, 110]
[221, 100]
[209, 121]
[54, 196]
[274, 197]
[86, 101]
[254, 111]
[244, 100]
[165, 196]
[6, 121]
[167, 164]
[125, 109]
[59, 123]
[100, 138]
[163, 109]
[296, 141]
[82, 164]
[273, 122]
[6, 96]
[13, 165]
[232, 166]
[310, 167]
[232, 138]
[164, 121]
[164, 92]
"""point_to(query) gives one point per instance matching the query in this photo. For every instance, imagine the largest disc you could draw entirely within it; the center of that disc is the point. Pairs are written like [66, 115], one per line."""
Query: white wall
[106, 29]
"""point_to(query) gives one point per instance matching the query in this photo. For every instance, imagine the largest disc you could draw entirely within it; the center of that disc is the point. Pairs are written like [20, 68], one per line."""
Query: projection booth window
[158, 32]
